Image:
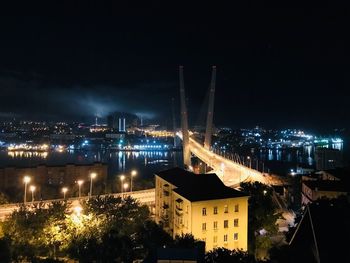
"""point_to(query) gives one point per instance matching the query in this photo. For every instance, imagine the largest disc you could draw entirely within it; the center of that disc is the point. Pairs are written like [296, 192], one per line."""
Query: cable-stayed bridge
[230, 172]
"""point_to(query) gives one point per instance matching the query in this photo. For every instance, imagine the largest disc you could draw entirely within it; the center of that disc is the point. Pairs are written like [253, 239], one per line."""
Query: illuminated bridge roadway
[229, 171]
[145, 197]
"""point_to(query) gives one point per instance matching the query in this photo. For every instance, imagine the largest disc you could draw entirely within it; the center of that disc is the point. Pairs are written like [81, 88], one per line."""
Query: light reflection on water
[303, 155]
[146, 162]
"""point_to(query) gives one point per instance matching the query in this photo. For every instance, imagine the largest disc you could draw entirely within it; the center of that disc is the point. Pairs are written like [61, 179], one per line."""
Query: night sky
[276, 67]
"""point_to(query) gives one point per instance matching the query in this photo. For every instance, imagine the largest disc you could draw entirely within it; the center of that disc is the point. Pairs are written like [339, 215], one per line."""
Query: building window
[236, 208]
[215, 225]
[204, 226]
[215, 239]
[225, 238]
[215, 210]
[204, 211]
[235, 236]
[226, 209]
[225, 223]
[235, 222]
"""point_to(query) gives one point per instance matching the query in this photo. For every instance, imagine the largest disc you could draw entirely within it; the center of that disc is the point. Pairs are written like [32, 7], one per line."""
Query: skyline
[290, 73]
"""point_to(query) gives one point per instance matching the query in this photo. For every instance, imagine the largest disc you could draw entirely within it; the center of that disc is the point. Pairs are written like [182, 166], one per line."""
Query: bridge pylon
[209, 126]
[184, 121]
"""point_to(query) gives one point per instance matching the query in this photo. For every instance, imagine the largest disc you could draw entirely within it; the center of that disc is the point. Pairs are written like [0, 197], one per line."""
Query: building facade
[203, 206]
[49, 176]
[326, 158]
[314, 190]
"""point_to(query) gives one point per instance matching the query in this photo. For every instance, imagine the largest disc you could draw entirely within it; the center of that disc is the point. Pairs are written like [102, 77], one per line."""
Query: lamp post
[122, 177]
[250, 162]
[32, 189]
[92, 176]
[125, 186]
[64, 191]
[80, 182]
[26, 180]
[133, 173]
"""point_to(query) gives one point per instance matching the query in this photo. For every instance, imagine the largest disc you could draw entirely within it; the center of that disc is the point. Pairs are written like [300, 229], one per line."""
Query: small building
[200, 204]
[313, 190]
[327, 158]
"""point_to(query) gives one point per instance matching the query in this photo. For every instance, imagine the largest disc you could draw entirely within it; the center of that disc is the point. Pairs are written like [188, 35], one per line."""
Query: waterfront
[148, 162]
[119, 162]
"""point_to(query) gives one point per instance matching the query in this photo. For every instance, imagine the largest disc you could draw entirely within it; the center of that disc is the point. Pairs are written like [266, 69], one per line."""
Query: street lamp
[26, 180]
[80, 182]
[32, 189]
[125, 186]
[92, 176]
[250, 162]
[133, 173]
[64, 191]
[122, 177]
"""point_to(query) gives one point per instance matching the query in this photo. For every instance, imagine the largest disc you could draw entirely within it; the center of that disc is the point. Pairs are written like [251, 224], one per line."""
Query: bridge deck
[230, 172]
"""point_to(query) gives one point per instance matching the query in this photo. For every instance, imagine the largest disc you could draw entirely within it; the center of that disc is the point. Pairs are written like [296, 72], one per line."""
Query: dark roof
[321, 233]
[326, 185]
[175, 176]
[341, 173]
[198, 187]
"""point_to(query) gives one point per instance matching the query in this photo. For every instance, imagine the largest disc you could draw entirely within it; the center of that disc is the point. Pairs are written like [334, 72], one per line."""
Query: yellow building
[202, 205]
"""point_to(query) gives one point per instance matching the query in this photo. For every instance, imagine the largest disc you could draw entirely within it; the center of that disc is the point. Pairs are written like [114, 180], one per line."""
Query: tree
[150, 236]
[185, 241]
[106, 229]
[24, 229]
[223, 255]
[115, 234]
[5, 252]
[262, 216]
[3, 199]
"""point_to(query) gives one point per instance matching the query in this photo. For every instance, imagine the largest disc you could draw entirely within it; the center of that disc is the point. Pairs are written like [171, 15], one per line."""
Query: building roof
[198, 187]
[341, 173]
[320, 234]
[326, 185]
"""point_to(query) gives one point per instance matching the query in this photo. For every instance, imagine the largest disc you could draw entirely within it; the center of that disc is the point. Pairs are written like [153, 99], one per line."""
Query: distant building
[42, 176]
[122, 126]
[326, 158]
[314, 190]
[62, 137]
[202, 205]
[112, 121]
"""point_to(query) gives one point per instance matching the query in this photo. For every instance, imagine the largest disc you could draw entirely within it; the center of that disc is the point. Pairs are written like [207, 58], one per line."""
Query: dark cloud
[28, 98]
[277, 67]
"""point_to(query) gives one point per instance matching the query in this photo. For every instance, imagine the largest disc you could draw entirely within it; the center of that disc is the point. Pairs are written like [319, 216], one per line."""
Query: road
[145, 197]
